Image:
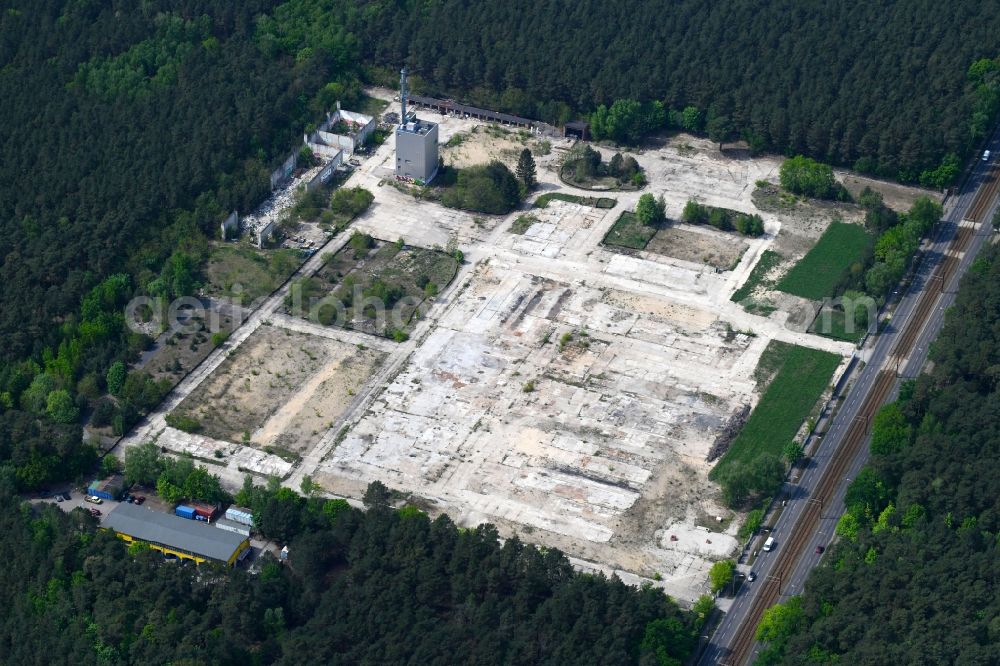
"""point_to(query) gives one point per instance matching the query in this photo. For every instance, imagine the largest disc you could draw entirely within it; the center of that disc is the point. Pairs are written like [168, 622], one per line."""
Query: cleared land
[282, 391]
[801, 376]
[481, 143]
[818, 273]
[714, 248]
[565, 392]
[703, 246]
[579, 415]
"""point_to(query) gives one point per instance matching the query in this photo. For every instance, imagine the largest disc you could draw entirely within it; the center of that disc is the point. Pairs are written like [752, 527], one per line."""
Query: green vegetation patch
[245, 274]
[832, 323]
[758, 276]
[724, 219]
[374, 286]
[819, 273]
[489, 188]
[629, 232]
[595, 202]
[522, 223]
[800, 375]
[584, 168]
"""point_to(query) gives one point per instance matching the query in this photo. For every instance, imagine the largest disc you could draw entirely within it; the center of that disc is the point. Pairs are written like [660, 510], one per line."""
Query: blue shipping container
[97, 492]
[185, 512]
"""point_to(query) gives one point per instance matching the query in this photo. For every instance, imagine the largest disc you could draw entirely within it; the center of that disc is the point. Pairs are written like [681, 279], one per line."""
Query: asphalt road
[876, 356]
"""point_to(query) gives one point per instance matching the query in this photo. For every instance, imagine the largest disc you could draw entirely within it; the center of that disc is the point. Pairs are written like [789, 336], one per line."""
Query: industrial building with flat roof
[416, 143]
[186, 539]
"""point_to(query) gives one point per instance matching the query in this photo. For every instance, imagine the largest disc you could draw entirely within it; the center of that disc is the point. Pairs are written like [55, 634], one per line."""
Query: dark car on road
[819, 550]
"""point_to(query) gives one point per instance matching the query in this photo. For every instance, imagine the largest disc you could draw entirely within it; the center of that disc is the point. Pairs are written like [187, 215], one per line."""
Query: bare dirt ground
[717, 249]
[551, 408]
[281, 390]
[485, 142]
[896, 196]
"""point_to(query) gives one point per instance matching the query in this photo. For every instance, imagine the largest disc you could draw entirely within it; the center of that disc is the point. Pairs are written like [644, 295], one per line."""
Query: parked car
[59, 498]
[140, 499]
[96, 513]
[752, 576]
[94, 500]
[819, 550]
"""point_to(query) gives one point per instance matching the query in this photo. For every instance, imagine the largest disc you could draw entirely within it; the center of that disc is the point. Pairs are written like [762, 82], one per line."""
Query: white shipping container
[230, 526]
[240, 515]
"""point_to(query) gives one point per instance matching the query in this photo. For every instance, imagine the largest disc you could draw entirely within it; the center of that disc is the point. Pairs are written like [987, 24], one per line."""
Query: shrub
[183, 422]
[650, 211]
[361, 243]
[804, 175]
[351, 202]
[491, 189]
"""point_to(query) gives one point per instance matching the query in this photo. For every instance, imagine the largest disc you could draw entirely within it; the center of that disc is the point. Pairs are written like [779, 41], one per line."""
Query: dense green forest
[885, 86]
[914, 576]
[383, 586]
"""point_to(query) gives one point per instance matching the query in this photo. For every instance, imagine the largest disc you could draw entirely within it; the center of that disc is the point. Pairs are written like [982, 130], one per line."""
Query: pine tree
[526, 169]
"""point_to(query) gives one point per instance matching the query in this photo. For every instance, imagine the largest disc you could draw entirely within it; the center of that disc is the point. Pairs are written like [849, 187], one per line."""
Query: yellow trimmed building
[180, 537]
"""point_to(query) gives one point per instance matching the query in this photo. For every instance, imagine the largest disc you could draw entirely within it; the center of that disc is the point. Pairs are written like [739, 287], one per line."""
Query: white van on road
[986, 156]
[769, 545]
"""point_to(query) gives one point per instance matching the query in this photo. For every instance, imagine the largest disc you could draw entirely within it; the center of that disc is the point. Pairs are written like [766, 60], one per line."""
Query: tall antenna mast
[403, 92]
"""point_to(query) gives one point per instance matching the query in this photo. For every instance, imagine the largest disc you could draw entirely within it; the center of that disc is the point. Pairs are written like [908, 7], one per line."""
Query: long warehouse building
[171, 535]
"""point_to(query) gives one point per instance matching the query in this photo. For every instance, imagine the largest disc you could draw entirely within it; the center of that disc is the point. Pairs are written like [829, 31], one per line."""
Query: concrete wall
[323, 140]
[230, 226]
[284, 172]
[265, 233]
[340, 141]
[324, 176]
[323, 149]
[417, 154]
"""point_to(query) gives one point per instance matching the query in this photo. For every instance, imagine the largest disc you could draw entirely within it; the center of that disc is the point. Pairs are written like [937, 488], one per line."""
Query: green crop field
[823, 268]
[800, 377]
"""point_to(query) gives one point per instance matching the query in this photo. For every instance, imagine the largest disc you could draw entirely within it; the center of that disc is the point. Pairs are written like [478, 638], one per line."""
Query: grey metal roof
[174, 532]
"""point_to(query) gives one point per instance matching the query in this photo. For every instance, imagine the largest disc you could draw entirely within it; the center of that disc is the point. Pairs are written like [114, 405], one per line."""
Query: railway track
[937, 282]
[925, 306]
[856, 436]
[984, 199]
[857, 433]
[806, 524]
